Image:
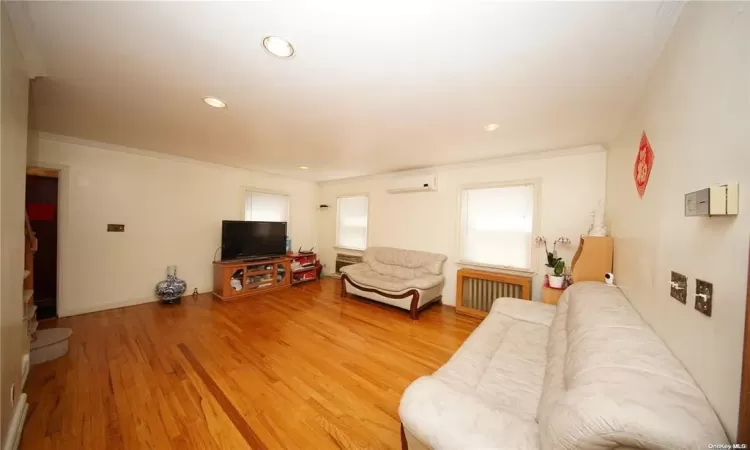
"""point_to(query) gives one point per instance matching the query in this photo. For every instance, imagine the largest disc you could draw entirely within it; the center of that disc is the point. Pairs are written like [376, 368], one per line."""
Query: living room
[395, 142]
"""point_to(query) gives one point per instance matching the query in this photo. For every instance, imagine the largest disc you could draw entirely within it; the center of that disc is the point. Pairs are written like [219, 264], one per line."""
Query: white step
[26, 274]
[30, 311]
[50, 344]
[33, 324]
[27, 294]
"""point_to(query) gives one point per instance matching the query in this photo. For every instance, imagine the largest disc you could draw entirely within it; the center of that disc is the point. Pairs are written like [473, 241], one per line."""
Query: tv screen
[245, 240]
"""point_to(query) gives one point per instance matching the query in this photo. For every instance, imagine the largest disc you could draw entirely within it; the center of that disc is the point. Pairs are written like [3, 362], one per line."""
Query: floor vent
[477, 290]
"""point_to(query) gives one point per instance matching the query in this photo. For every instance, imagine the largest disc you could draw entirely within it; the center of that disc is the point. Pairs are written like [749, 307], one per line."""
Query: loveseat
[408, 279]
[587, 374]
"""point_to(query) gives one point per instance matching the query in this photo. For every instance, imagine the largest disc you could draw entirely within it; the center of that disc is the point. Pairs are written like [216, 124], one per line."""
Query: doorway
[42, 211]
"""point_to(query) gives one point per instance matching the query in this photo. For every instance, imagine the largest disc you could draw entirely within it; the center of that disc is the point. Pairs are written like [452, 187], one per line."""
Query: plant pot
[549, 271]
[556, 282]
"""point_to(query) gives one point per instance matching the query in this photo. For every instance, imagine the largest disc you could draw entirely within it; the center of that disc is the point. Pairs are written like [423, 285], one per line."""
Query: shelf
[259, 272]
[303, 269]
[303, 280]
[251, 286]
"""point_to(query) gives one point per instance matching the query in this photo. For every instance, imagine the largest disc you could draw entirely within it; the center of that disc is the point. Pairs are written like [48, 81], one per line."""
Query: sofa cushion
[622, 385]
[504, 359]
[404, 264]
[363, 275]
[442, 418]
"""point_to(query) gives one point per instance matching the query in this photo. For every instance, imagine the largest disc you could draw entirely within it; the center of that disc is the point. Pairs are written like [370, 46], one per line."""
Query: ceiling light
[278, 46]
[491, 127]
[214, 102]
[303, 167]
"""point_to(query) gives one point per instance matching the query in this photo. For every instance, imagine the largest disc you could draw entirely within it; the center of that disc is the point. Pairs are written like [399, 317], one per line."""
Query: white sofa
[408, 279]
[587, 374]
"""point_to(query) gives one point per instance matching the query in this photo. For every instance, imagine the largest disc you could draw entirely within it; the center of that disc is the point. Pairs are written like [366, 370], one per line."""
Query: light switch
[704, 292]
[678, 289]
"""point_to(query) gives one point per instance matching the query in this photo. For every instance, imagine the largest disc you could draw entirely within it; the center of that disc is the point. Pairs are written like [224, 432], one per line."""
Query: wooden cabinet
[551, 295]
[236, 280]
[593, 259]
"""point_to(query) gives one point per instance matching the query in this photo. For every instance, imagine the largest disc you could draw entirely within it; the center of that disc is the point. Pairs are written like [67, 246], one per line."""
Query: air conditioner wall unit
[412, 183]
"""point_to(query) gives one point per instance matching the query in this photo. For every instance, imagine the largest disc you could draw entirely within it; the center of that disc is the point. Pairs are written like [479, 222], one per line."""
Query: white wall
[696, 112]
[172, 209]
[14, 101]
[572, 185]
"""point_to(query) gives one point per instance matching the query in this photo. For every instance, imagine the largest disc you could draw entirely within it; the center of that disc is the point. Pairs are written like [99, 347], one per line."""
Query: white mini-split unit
[412, 183]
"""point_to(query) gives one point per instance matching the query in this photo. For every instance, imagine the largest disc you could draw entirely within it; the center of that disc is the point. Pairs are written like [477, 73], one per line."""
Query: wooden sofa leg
[415, 305]
[343, 285]
[404, 444]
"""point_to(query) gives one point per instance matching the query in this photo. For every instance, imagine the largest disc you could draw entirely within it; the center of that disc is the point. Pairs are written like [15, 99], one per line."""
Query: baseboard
[67, 312]
[15, 429]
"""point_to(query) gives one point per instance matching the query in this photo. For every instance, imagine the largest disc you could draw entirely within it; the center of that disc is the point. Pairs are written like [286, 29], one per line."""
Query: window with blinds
[497, 225]
[265, 207]
[351, 222]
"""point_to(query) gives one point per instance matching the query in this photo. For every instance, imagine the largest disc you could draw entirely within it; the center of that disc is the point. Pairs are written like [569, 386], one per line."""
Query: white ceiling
[374, 86]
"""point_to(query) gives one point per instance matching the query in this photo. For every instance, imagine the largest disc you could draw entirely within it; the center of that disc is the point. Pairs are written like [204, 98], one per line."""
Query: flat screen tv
[251, 240]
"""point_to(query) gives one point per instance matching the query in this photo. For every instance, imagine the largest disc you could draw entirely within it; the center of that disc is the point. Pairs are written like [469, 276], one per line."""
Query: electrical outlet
[678, 289]
[704, 292]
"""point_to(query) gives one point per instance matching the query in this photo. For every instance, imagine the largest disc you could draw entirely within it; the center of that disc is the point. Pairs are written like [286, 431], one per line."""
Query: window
[265, 207]
[497, 225]
[351, 222]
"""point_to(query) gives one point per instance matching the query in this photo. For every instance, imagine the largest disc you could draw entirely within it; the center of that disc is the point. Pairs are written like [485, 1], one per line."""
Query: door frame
[743, 422]
[61, 173]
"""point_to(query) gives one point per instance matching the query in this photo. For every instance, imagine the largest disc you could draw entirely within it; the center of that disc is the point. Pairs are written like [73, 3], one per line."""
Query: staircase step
[30, 311]
[26, 274]
[51, 343]
[27, 294]
[33, 324]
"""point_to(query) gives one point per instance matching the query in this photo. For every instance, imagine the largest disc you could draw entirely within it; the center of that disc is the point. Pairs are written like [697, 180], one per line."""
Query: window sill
[357, 251]
[502, 269]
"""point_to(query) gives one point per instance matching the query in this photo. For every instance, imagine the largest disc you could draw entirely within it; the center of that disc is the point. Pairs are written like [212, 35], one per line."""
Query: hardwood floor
[299, 368]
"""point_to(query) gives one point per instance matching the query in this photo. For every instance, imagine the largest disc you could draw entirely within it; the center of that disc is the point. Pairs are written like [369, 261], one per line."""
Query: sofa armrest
[443, 418]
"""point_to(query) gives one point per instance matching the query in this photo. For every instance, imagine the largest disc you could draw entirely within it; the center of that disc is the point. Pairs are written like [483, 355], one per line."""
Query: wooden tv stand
[235, 280]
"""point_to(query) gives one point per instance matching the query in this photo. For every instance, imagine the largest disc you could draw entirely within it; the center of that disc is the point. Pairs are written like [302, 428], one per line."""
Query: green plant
[559, 267]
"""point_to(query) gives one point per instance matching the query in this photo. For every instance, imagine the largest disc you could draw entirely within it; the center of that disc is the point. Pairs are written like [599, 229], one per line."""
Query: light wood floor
[300, 368]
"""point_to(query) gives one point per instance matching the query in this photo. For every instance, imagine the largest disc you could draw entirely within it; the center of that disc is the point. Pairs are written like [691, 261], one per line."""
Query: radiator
[476, 290]
[343, 260]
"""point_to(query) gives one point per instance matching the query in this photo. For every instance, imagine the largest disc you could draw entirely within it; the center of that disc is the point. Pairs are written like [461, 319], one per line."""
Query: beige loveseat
[588, 374]
[407, 279]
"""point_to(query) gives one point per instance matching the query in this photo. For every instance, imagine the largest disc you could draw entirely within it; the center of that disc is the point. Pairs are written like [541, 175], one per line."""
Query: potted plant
[557, 279]
[552, 258]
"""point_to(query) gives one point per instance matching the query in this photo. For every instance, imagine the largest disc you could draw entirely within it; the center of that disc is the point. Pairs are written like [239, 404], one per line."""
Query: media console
[234, 280]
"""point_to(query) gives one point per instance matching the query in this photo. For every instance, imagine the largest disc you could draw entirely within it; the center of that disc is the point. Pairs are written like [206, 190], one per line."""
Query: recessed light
[278, 46]
[491, 127]
[214, 102]
[303, 167]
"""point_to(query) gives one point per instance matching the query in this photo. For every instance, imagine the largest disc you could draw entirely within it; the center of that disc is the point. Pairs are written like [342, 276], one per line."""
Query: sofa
[587, 374]
[407, 279]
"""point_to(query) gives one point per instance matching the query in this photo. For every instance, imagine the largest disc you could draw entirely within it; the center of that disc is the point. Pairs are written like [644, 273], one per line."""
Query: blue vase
[171, 289]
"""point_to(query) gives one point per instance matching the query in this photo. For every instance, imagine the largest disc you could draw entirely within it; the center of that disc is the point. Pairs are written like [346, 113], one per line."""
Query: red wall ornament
[644, 161]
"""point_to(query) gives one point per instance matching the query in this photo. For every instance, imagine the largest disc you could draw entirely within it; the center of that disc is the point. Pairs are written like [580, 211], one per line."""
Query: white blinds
[351, 218]
[497, 226]
[260, 206]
